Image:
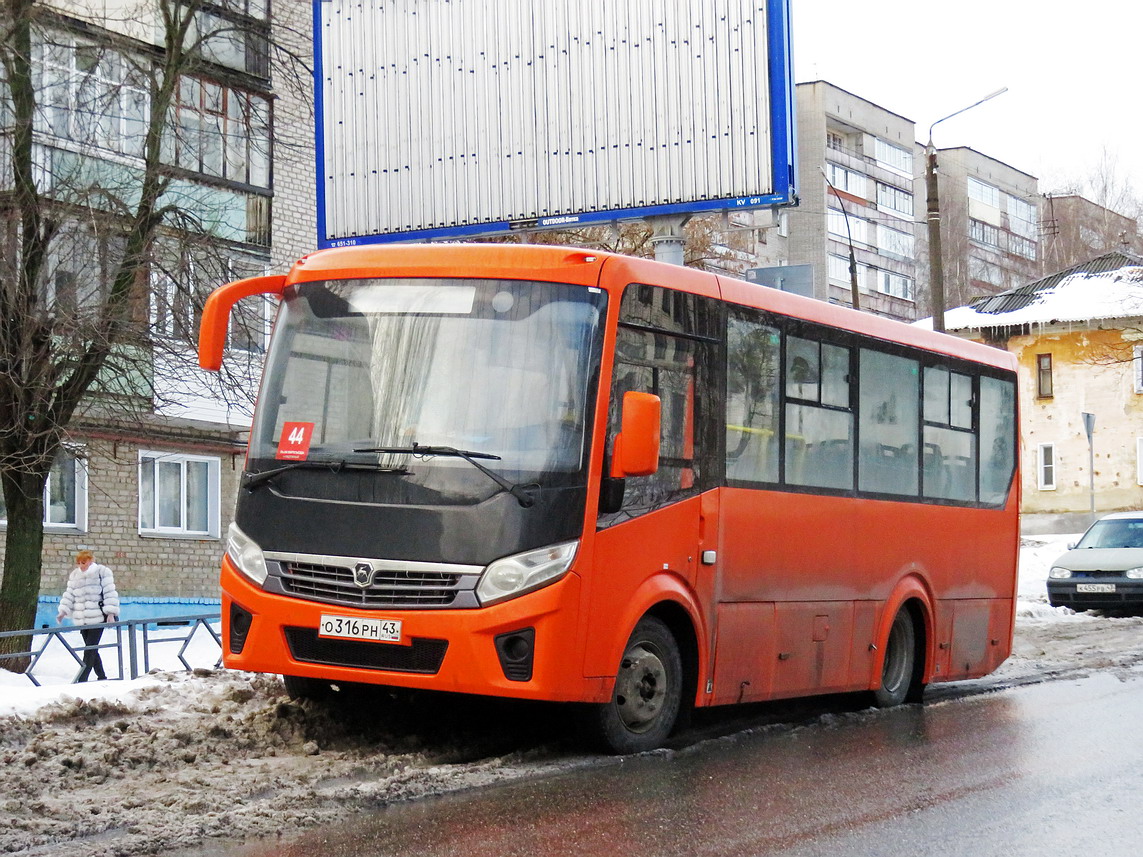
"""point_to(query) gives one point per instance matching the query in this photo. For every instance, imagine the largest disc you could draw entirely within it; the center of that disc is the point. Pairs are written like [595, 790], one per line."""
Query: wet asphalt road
[1049, 769]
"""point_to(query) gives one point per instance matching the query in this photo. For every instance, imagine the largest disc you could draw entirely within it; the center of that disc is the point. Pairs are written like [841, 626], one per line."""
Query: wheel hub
[640, 688]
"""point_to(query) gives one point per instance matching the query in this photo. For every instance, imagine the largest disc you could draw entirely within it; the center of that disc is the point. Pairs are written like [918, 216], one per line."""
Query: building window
[837, 223]
[846, 180]
[1046, 472]
[65, 493]
[983, 193]
[838, 269]
[894, 199]
[835, 141]
[895, 285]
[984, 233]
[1044, 376]
[894, 242]
[179, 289]
[1022, 247]
[1137, 368]
[1021, 217]
[221, 132]
[893, 157]
[91, 94]
[178, 495]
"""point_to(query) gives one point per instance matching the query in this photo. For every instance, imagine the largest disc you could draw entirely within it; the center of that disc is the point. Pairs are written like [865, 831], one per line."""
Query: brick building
[153, 494]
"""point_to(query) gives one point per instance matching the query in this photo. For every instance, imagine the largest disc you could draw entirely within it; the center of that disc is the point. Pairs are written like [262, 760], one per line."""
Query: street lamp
[936, 260]
[849, 234]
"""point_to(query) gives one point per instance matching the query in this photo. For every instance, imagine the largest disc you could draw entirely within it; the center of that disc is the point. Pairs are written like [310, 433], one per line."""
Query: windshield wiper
[250, 481]
[522, 493]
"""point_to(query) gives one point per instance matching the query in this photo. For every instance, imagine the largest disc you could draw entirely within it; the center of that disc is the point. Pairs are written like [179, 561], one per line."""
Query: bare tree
[88, 230]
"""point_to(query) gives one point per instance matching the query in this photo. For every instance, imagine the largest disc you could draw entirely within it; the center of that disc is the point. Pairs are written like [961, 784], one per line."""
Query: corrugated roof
[1015, 299]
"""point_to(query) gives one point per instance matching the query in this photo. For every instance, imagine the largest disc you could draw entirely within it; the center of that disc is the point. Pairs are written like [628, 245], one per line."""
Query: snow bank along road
[129, 768]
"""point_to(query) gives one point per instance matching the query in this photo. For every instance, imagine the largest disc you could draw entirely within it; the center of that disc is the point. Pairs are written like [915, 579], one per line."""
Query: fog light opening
[516, 651]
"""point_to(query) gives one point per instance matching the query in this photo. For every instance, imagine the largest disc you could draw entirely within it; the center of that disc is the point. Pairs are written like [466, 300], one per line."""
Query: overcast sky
[1072, 70]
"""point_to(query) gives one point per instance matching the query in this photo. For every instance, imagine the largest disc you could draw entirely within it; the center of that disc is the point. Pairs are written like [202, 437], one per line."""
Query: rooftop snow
[1078, 297]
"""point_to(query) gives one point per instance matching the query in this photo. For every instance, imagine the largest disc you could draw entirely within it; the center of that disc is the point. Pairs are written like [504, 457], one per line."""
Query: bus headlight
[245, 554]
[515, 575]
[1058, 573]
[1134, 573]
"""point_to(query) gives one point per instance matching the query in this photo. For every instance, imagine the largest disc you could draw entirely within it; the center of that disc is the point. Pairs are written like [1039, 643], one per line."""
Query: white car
[1104, 569]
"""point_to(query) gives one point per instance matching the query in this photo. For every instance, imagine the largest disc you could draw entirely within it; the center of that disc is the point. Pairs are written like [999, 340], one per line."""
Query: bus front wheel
[648, 692]
[900, 674]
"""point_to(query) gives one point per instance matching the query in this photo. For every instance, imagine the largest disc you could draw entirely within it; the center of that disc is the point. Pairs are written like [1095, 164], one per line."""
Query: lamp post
[936, 260]
[849, 234]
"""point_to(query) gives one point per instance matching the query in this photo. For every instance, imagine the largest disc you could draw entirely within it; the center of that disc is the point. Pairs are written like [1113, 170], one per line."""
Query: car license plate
[1095, 587]
[356, 628]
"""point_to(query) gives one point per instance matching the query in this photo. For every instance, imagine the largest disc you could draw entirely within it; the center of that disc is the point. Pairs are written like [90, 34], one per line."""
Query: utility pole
[933, 211]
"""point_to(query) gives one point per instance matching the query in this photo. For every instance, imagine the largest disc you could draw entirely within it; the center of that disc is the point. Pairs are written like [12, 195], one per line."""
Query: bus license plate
[1095, 587]
[355, 628]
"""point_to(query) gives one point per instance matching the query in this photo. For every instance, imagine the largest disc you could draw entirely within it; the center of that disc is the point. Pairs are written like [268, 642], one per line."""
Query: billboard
[455, 118]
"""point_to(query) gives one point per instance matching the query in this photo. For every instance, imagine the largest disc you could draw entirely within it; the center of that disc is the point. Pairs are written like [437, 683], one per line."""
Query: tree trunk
[20, 588]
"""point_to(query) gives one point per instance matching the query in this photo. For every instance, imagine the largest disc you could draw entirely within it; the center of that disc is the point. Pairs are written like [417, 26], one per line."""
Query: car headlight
[524, 572]
[245, 554]
[1134, 573]
[1058, 573]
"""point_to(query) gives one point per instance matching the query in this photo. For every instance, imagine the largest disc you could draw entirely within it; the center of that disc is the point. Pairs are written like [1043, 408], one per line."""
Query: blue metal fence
[133, 643]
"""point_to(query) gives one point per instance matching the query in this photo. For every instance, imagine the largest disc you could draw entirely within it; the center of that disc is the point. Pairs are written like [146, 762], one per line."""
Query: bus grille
[333, 583]
[423, 656]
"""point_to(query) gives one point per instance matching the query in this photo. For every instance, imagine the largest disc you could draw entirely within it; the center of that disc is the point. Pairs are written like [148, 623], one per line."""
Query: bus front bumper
[518, 648]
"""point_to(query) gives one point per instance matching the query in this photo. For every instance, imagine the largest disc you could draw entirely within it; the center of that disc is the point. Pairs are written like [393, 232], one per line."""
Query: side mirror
[215, 324]
[636, 451]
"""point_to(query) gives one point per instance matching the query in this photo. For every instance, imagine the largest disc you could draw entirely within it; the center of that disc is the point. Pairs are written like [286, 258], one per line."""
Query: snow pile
[174, 758]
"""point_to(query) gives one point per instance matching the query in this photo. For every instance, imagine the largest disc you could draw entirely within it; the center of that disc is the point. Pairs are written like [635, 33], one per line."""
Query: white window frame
[894, 157]
[1022, 217]
[79, 525]
[895, 242]
[983, 192]
[152, 458]
[1137, 367]
[894, 199]
[846, 180]
[895, 285]
[1046, 465]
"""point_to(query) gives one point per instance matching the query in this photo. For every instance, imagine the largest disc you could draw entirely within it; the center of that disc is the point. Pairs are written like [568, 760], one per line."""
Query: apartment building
[1075, 229]
[856, 175]
[990, 223]
[152, 493]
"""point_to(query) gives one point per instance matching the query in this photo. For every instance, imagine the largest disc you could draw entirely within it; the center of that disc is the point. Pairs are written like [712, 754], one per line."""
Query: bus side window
[889, 423]
[819, 418]
[752, 367]
[666, 345]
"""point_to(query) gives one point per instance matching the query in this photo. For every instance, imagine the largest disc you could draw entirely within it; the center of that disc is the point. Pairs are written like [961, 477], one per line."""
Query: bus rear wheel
[645, 704]
[900, 678]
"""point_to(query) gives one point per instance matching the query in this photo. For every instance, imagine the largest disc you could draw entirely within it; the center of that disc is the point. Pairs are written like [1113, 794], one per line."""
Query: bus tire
[644, 706]
[300, 687]
[900, 681]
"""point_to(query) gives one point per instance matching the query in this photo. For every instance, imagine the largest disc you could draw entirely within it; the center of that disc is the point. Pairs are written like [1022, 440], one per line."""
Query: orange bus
[557, 474]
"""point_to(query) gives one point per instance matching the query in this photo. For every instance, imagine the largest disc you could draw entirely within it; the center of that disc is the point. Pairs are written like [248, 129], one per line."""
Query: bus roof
[613, 271]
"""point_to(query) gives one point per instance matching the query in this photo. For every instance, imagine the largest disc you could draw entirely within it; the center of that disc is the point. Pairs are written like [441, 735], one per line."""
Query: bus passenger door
[653, 529]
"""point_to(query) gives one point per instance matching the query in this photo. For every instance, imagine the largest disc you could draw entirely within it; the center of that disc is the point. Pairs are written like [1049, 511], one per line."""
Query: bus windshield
[499, 369]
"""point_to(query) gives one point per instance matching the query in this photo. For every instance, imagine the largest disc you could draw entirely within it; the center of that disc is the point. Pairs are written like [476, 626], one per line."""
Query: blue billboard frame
[783, 146]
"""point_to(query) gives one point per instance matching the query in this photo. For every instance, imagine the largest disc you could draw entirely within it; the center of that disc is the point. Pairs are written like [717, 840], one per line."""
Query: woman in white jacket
[90, 599]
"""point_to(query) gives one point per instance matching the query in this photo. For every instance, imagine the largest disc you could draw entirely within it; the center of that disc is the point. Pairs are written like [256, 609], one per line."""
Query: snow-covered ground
[173, 758]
